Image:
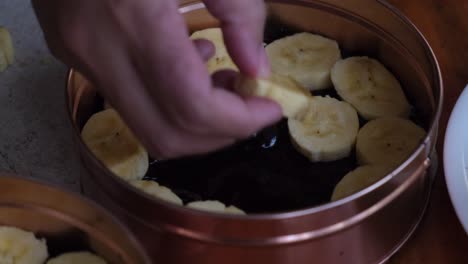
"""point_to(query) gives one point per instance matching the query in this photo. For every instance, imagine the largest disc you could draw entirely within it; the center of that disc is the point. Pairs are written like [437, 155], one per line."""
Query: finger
[205, 48]
[242, 117]
[243, 22]
[224, 79]
[171, 59]
[181, 87]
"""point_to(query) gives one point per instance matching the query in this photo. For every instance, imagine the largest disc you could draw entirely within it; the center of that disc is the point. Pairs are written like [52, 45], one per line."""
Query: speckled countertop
[35, 135]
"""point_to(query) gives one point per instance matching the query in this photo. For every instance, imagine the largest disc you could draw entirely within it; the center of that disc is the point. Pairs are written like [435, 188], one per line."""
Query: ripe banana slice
[234, 210]
[77, 258]
[327, 130]
[388, 141]
[112, 142]
[156, 190]
[221, 60]
[215, 206]
[358, 179]
[305, 57]
[370, 88]
[6, 45]
[290, 95]
[21, 247]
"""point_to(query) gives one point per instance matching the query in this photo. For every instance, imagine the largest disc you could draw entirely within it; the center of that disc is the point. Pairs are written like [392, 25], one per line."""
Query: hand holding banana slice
[112, 142]
[327, 130]
[358, 179]
[305, 57]
[77, 258]
[7, 52]
[21, 247]
[221, 60]
[388, 141]
[156, 190]
[290, 95]
[370, 88]
[215, 206]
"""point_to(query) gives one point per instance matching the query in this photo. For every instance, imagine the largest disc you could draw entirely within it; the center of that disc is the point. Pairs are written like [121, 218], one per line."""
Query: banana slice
[221, 60]
[212, 206]
[215, 206]
[327, 131]
[21, 247]
[112, 142]
[6, 45]
[370, 88]
[358, 179]
[156, 190]
[77, 258]
[290, 95]
[233, 210]
[388, 141]
[305, 57]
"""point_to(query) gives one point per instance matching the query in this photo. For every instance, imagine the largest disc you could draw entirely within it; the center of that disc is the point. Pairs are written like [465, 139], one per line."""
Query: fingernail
[264, 69]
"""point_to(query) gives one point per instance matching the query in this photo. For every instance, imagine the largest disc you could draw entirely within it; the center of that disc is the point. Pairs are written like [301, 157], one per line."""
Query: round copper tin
[366, 227]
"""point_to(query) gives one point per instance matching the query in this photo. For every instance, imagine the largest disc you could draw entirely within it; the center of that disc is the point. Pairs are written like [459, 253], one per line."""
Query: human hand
[140, 57]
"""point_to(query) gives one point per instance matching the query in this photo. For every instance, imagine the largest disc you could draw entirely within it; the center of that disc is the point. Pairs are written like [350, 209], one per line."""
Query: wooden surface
[440, 237]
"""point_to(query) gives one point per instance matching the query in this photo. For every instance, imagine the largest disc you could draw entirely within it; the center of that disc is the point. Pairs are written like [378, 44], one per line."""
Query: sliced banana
[305, 57]
[358, 179]
[290, 95]
[156, 190]
[215, 206]
[6, 45]
[327, 130]
[233, 210]
[77, 258]
[370, 88]
[21, 247]
[221, 60]
[112, 142]
[388, 141]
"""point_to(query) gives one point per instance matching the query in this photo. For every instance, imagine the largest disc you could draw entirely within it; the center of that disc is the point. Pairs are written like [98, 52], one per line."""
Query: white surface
[456, 158]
